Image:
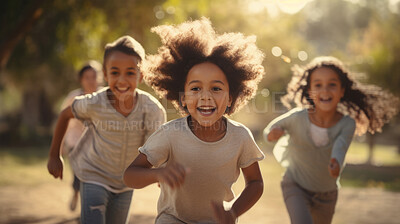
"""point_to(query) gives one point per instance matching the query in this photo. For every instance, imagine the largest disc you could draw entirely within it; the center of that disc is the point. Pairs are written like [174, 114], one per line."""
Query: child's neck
[212, 133]
[123, 106]
[324, 119]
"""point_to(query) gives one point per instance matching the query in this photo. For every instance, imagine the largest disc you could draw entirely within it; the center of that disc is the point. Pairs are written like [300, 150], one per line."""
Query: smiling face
[89, 80]
[325, 89]
[206, 93]
[122, 75]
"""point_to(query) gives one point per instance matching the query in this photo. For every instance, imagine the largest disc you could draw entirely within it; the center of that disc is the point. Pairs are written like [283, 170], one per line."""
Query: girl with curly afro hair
[197, 158]
[315, 139]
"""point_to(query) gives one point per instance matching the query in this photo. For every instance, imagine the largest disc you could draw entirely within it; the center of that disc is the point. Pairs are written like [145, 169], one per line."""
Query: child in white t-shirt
[90, 78]
[120, 118]
[197, 158]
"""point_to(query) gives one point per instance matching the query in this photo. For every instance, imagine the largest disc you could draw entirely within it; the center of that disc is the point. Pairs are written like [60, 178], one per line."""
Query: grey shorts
[308, 207]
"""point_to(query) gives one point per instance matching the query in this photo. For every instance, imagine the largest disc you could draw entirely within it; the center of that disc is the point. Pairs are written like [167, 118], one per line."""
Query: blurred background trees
[43, 43]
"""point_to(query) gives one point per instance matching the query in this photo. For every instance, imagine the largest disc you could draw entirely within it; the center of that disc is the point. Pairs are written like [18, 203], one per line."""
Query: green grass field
[383, 173]
[28, 166]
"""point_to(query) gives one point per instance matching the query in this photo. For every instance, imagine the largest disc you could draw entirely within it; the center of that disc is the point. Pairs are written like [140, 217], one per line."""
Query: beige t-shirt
[112, 140]
[75, 127]
[214, 167]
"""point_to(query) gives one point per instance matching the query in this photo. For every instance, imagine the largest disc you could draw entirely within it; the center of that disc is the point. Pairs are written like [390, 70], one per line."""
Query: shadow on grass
[134, 219]
[50, 219]
[364, 175]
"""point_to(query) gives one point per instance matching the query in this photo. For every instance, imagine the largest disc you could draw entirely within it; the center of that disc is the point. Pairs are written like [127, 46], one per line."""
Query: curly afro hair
[195, 42]
[369, 105]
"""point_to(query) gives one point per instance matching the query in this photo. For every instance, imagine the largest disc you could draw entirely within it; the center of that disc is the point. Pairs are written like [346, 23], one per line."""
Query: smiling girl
[120, 118]
[197, 158]
[313, 141]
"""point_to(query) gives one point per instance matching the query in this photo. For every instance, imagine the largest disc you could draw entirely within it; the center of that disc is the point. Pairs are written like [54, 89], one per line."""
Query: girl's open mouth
[122, 89]
[325, 100]
[206, 111]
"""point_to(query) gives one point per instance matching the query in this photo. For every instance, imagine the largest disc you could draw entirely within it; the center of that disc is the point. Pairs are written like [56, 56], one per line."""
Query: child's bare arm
[275, 134]
[55, 163]
[140, 174]
[250, 195]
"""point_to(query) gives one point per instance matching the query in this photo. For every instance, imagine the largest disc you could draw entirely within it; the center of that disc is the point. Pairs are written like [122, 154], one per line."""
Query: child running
[197, 158]
[120, 118]
[89, 76]
[315, 139]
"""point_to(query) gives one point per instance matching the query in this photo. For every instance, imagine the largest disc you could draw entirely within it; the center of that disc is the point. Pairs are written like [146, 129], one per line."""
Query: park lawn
[25, 169]
[25, 166]
[28, 166]
[383, 155]
[384, 172]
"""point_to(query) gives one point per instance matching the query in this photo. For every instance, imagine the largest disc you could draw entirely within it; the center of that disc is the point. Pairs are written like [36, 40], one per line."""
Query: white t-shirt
[75, 127]
[111, 142]
[214, 167]
[319, 135]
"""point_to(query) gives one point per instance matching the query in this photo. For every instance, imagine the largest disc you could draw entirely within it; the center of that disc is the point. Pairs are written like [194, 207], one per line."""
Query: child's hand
[55, 167]
[275, 134]
[334, 168]
[222, 216]
[173, 175]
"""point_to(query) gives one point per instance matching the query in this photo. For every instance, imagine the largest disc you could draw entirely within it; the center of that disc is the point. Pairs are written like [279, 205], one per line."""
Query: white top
[112, 140]
[214, 167]
[319, 135]
[75, 127]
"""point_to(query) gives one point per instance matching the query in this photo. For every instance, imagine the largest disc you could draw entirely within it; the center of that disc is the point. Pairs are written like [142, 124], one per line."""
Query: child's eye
[318, 85]
[215, 89]
[131, 73]
[114, 73]
[332, 84]
[195, 89]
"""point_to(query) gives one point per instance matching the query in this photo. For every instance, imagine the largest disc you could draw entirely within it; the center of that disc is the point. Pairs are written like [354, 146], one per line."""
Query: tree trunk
[371, 143]
[36, 115]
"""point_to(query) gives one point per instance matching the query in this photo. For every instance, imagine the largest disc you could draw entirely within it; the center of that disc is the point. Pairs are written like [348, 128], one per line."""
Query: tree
[41, 58]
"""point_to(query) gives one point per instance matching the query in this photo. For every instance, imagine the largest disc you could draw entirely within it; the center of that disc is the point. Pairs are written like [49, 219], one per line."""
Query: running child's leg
[76, 184]
[94, 200]
[74, 200]
[297, 203]
[118, 208]
[323, 207]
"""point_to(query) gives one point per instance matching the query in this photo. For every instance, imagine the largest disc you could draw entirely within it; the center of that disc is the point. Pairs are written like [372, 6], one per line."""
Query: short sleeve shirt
[75, 127]
[112, 140]
[214, 167]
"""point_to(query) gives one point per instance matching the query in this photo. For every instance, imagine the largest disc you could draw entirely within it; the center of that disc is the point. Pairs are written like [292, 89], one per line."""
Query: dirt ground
[48, 203]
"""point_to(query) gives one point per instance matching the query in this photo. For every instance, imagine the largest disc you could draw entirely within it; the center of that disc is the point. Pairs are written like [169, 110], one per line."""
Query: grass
[383, 155]
[28, 166]
[384, 172]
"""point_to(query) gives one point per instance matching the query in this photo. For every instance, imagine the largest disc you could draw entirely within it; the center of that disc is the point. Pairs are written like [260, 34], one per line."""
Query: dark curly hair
[195, 42]
[369, 105]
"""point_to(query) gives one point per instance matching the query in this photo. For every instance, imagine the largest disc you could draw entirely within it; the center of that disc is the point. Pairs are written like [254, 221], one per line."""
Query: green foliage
[69, 33]
[378, 51]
